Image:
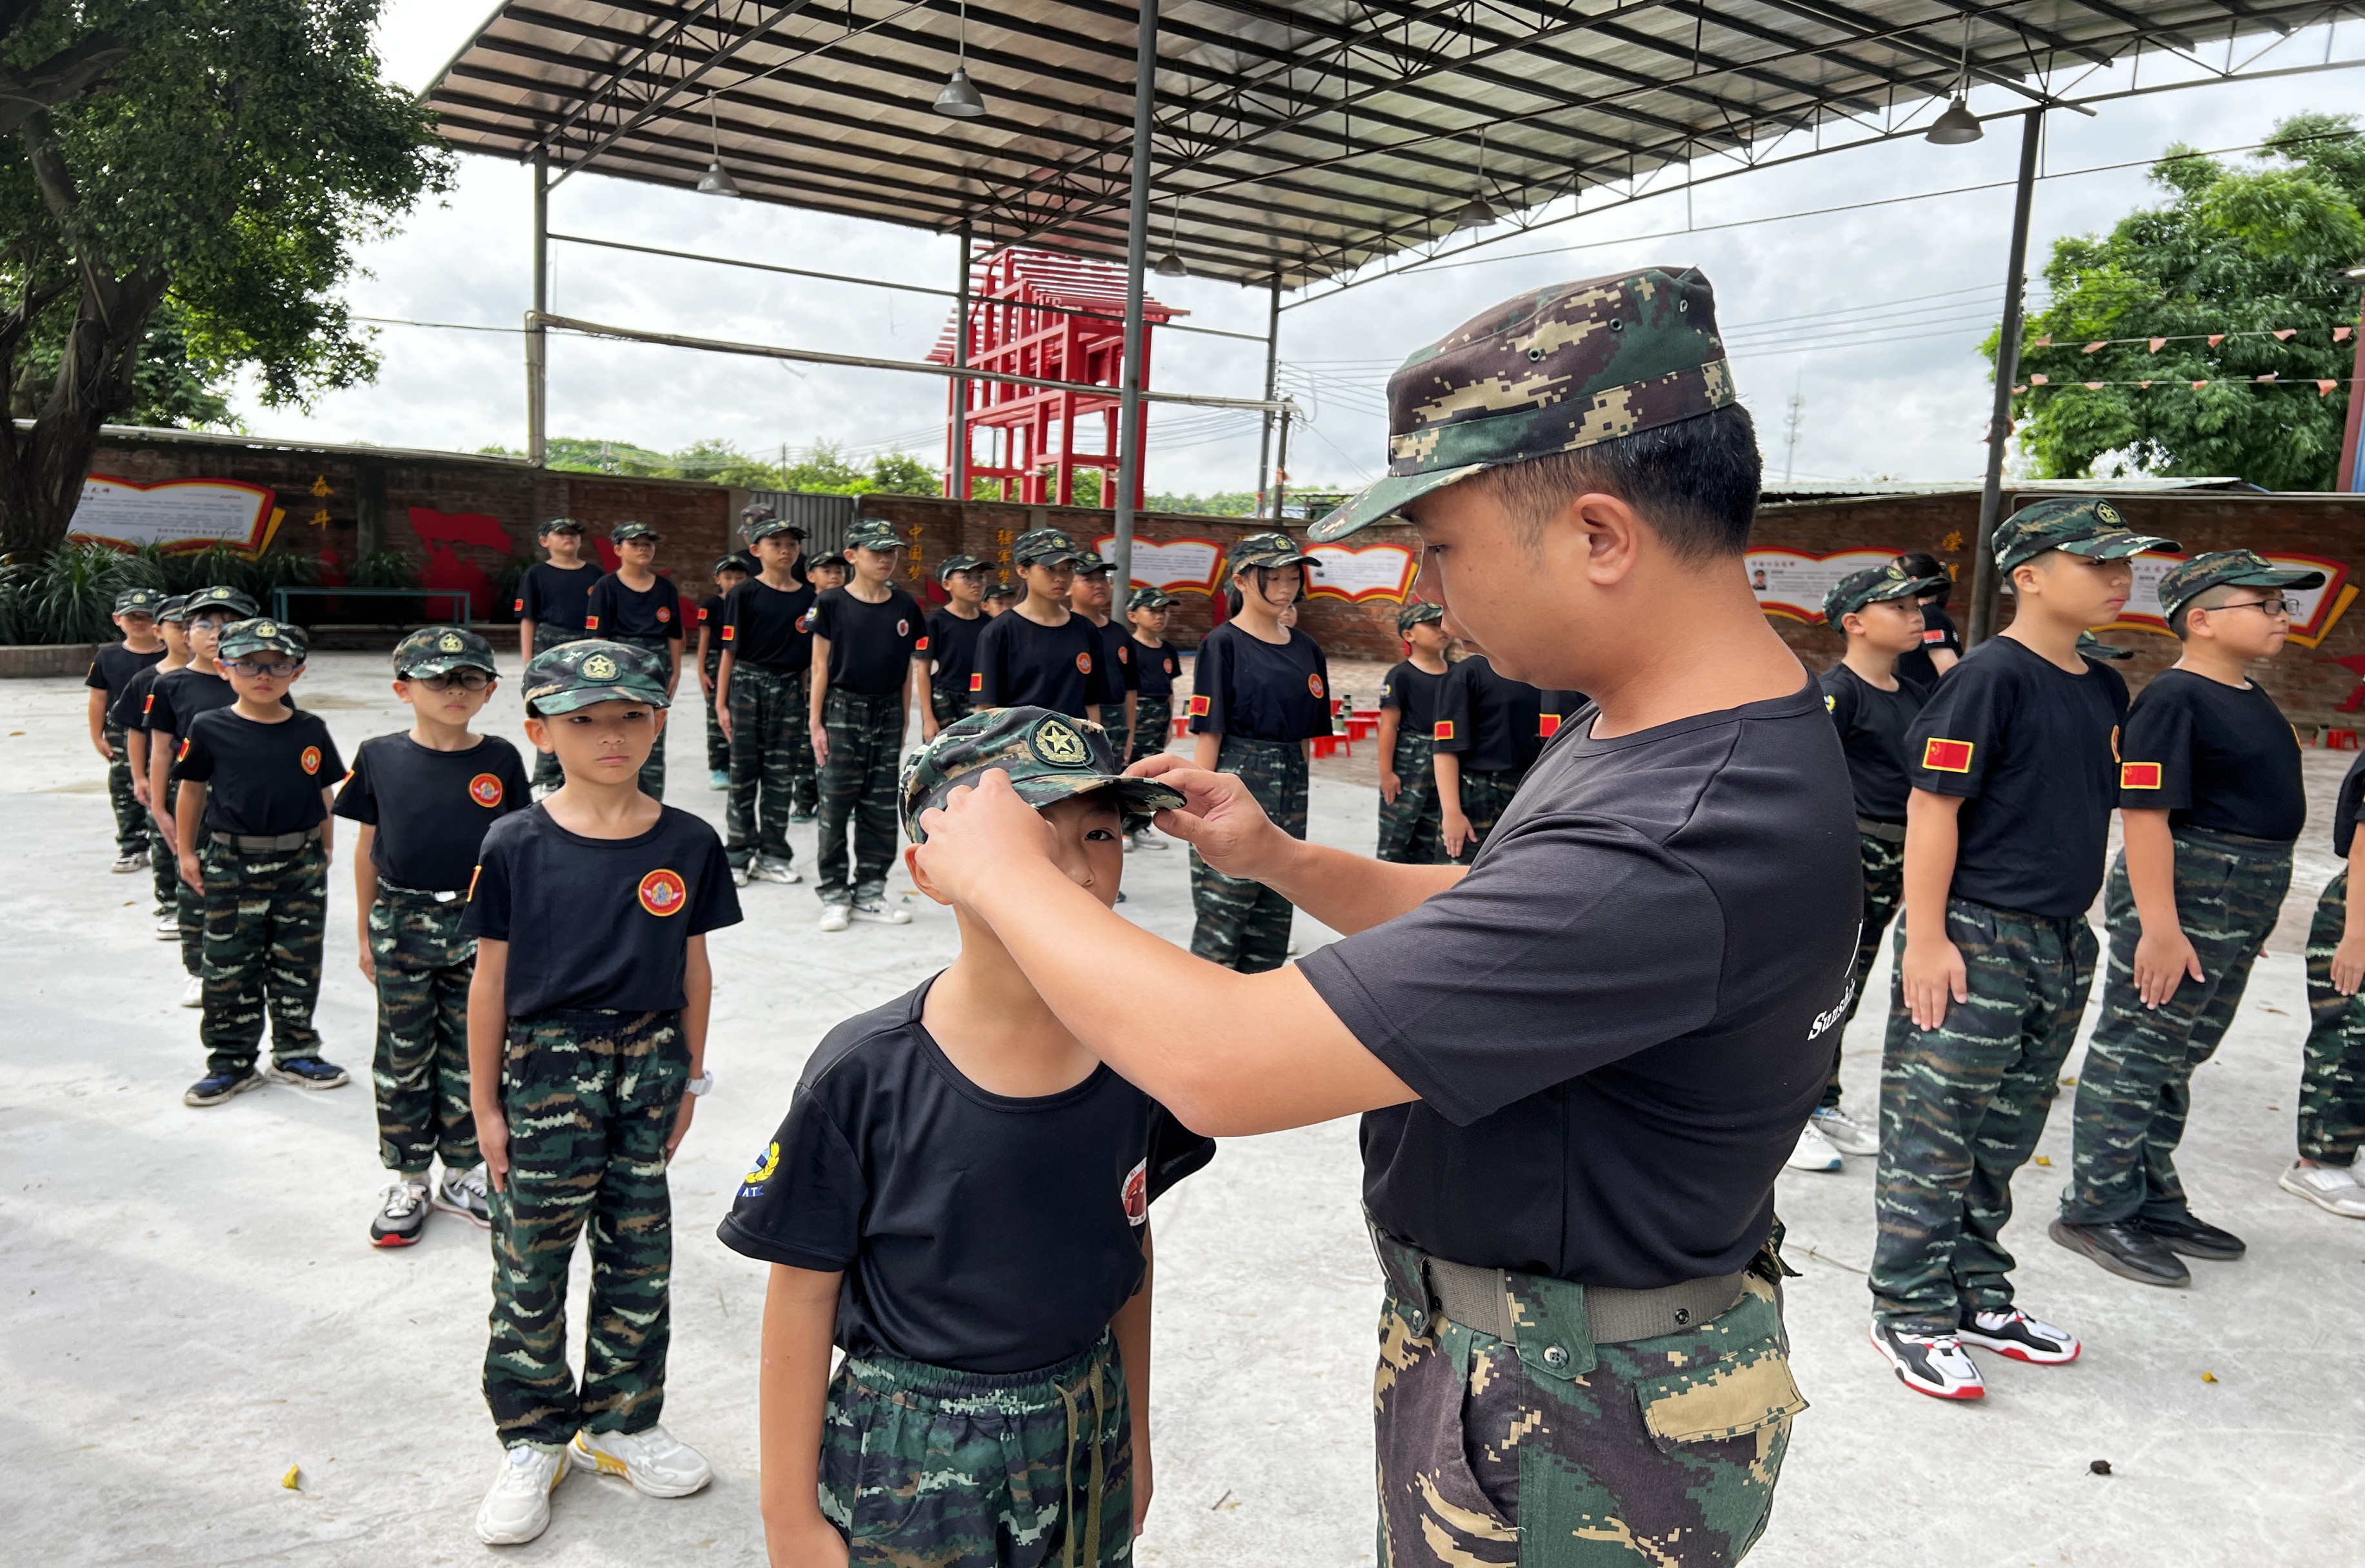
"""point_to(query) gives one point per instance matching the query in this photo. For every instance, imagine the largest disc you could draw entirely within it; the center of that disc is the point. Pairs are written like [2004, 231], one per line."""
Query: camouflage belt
[1888, 833]
[1476, 1298]
[259, 844]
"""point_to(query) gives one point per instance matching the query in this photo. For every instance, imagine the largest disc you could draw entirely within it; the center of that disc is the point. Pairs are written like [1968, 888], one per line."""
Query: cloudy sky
[1872, 317]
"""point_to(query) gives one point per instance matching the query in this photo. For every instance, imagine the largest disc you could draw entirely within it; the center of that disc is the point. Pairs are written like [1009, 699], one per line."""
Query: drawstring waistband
[1096, 1488]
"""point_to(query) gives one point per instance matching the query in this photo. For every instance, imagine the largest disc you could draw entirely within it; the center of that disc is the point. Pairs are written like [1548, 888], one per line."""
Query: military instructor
[1581, 1060]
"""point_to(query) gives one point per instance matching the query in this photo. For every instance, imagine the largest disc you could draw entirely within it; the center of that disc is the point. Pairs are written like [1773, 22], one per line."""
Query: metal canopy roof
[1300, 138]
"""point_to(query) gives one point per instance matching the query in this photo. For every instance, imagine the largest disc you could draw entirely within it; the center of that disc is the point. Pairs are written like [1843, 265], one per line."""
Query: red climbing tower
[1033, 313]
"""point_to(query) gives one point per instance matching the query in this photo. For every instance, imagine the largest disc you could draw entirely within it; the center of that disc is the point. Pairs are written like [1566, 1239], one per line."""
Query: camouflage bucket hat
[577, 674]
[439, 650]
[259, 633]
[1873, 586]
[2082, 525]
[1556, 370]
[767, 526]
[873, 535]
[2228, 568]
[952, 564]
[1271, 549]
[138, 601]
[1048, 757]
[558, 525]
[1415, 611]
[214, 600]
[2093, 647]
[623, 531]
[176, 609]
[1149, 598]
[1038, 546]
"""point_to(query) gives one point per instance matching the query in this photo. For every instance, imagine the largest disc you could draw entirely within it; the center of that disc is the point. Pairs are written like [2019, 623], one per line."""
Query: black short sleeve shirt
[872, 646]
[952, 648]
[553, 595]
[1872, 725]
[1556, 708]
[1413, 692]
[1937, 632]
[1022, 662]
[2348, 807]
[1492, 723]
[2215, 756]
[112, 668]
[710, 619]
[1116, 658]
[128, 710]
[619, 610]
[599, 923]
[2034, 752]
[975, 1231]
[1618, 1020]
[432, 809]
[179, 696]
[761, 625]
[261, 779]
[1155, 668]
[1265, 691]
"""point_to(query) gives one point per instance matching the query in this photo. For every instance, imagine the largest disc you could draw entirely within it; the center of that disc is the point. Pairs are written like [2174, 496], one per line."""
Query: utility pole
[1796, 417]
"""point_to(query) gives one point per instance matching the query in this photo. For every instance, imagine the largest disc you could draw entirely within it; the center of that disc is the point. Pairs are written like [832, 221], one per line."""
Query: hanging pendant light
[960, 99]
[1477, 212]
[1171, 264]
[1958, 126]
[717, 180]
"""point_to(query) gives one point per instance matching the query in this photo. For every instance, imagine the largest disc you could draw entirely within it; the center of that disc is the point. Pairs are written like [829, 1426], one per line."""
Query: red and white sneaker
[2024, 1338]
[1935, 1364]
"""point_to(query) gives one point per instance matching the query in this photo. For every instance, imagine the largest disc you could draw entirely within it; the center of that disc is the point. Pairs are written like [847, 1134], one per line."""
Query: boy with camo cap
[760, 694]
[960, 1199]
[173, 703]
[954, 628]
[127, 716]
[1412, 831]
[2212, 800]
[111, 670]
[1043, 653]
[729, 573]
[633, 604]
[1094, 597]
[870, 666]
[1156, 664]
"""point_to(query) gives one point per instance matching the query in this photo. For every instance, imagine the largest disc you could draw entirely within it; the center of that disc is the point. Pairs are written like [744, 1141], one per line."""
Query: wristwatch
[703, 1083]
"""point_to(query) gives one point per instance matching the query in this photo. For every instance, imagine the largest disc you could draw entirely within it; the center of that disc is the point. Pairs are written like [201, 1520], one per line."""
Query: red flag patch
[977, 682]
[1444, 730]
[2139, 776]
[1946, 757]
[1547, 724]
[1199, 707]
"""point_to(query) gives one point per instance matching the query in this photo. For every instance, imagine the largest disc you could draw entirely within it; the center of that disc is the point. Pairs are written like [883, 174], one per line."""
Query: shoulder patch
[1830, 704]
[977, 680]
[1444, 730]
[2139, 776]
[1199, 706]
[1940, 755]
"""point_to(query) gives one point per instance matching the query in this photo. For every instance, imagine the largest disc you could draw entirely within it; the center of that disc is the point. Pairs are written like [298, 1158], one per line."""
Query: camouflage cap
[1048, 757]
[873, 533]
[2093, 647]
[1416, 610]
[558, 525]
[1039, 546]
[831, 558]
[2082, 525]
[1001, 591]
[964, 562]
[1872, 586]
[176, 609]
[139, 601]
[735, 561]
[258, 633]
[215, 600]
[2228, 568]
[1093, 563]
[753, 510]
[439, 650]
[626, 530]
[1148, 597]
[1270, 549]
[767, 526]
[1555, 370]
[577, 674]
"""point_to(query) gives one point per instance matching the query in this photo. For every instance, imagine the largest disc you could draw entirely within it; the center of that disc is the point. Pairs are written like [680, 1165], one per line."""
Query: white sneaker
[518, 1508]
[1813, 1153]
[2331, 1188]
[877, 911]
[135, 861]
[194, 993]
[168, 927]
[1844, 1132]
[836, 916]
[1144, 839]
[657, 1463]
[766, 870]
[741, 876]
[1935, 1364]
[468, 1195]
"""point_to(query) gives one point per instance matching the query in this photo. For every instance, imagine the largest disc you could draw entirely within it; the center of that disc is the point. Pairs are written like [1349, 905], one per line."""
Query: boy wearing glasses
[111, 670]
[174, 703]
[423, 802]
[253, 780]
[2211, 794]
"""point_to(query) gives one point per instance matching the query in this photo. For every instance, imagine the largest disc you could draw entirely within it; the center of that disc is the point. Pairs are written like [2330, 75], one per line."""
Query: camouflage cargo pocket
[412, 931]
[1735, 1398]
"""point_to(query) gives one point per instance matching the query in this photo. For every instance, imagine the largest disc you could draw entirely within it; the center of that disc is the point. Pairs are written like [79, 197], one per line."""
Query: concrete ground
[192, 1307]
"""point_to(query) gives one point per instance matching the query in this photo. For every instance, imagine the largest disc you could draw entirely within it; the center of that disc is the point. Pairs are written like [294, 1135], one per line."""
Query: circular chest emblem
[1136, 1194]
[600, 667]
[1058, 744]
[662, 893]
[1313, 684]
[311, 759]
[1084, 663]
[903, 628]
[485, 791]
[664, 612]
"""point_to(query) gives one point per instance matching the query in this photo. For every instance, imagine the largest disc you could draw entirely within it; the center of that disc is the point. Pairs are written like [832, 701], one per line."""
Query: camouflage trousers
[1559, 1452]
[858, 792]
[133, 826]
[547, 774]
[1412, 832]
[926, 1467]
[718, 749]
[947, 705]
[1485, 797]
[771, 762]
[1884, 890]
[1120, 733]
[590, 1099]
[1153, 717]
[265, 915]
[1243, 925]
[1962, 1106]
[2332, 1077]
[2135, 1088]
[188, 905]
[421, 1071]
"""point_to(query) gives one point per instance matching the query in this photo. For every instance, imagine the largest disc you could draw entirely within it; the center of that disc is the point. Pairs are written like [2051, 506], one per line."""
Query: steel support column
[1985, 586]
[537, 340]
[1137, 247]
[957, 469]
[1271, 376]
[1281, 464]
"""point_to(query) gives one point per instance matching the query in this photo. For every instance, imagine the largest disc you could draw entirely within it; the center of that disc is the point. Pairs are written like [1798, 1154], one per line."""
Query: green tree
[2250, 257]
[170, 389]
[900, 474]
[227, 155]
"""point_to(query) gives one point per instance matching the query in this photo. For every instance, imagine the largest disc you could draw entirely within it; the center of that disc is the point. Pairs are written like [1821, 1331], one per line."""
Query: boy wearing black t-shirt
[869, 659]
[960, 1198]
[111, 670]
[254, 779]
[127, 716]
[729, 573]
[633, 604]
[423, 802]
[2014, 774]
[1094, 596]
[2212, 798]
[1044, 654]
[1156, 664]
[998, 599]
[171, 705]
[760, 694]
[587, 1042]
[553, 602]
[1412, 831]
[1871, 703]
[1940, 647]
[953, 631]
[1486, 736]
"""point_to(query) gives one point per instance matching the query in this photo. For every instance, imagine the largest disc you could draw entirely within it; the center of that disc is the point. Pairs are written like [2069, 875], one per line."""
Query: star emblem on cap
[1058, 744]
[451, 642]
[266, 628]
[600, 667]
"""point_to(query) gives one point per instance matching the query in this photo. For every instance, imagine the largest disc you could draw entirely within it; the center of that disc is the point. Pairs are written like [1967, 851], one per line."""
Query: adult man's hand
[1219, 818]
[978, 834]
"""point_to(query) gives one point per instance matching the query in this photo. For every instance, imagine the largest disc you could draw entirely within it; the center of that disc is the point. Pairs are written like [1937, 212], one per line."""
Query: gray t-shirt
[1619, 1021]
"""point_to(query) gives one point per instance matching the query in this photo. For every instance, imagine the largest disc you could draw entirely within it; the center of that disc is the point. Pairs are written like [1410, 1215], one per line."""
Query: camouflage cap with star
[259, 633]
[2081, 525]
[1048, 756]
[1415, 611]
[2187, 580]
[1148, 596]
[1872, 586]
[953, 564]
[577, 674]
[1045, 546]
[213, 601]
[439, 650]
[1272, 549]
[139, 601]
[873, 533]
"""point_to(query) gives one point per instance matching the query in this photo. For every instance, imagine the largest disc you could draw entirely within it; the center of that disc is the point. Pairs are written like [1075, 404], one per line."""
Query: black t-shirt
[760, 626]
[1413, 692]
[1937, 632]
[261, 779]
[128, 710]
[599, 923]
[1154, 669]
[1021, 663]
[976, 1231]
[1492, 721]
[179, 696]
[872, 646]
[1618, 1020]
[2034, 752]
[1872, 725]
[2346, 809]
[952, 647]
[1265, 691]
[619, 610]
[1554, 709]
[111, 670]
[1116, 658]
[710, 616]
[2216, 756]
[432, 809]
[553, 595]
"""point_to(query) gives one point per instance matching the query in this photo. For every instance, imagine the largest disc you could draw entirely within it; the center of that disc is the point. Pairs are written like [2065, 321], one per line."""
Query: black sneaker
[215, 1087]
[2012, 1332]
[1933, 1364]
[307, 1072]
[402, 1216]
[2126, 1249]
[2197, 1238]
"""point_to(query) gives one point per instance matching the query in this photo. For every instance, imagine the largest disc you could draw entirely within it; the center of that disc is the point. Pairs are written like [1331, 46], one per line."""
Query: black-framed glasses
[2289, 607]
[256, 669]
[466, 679]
